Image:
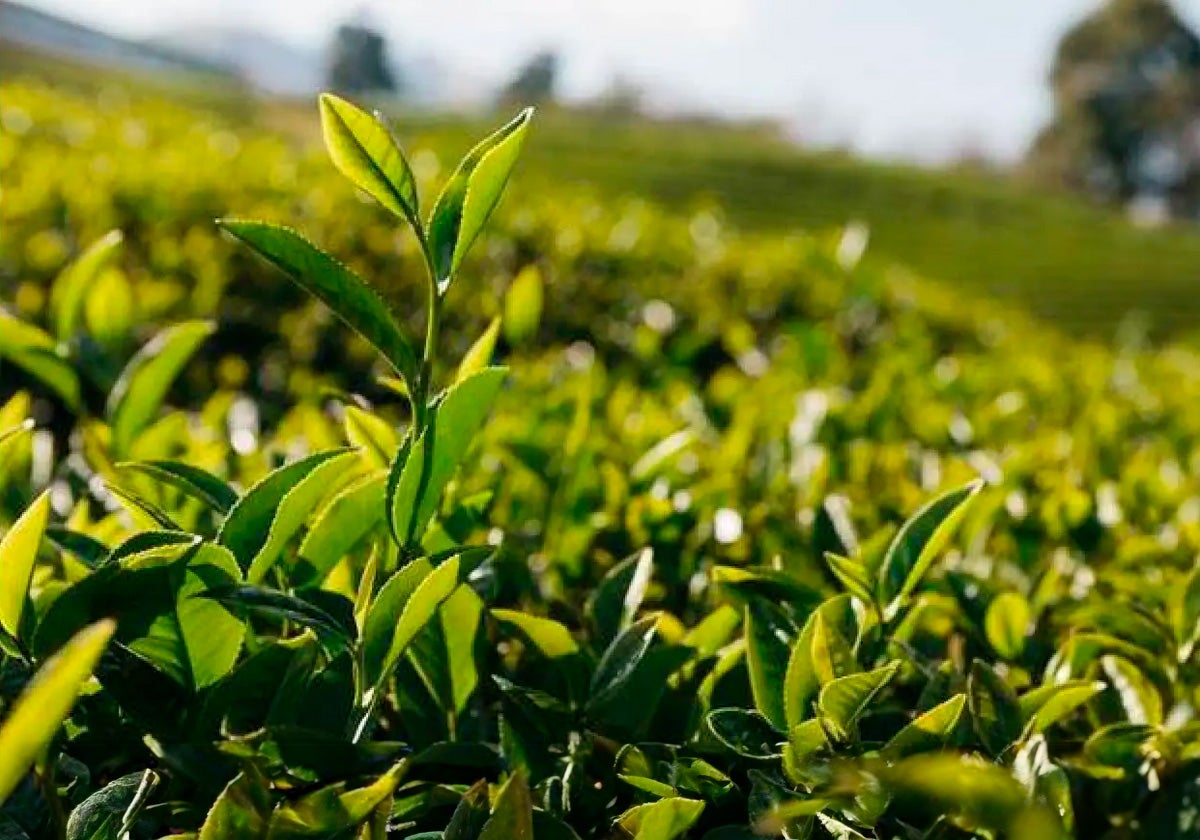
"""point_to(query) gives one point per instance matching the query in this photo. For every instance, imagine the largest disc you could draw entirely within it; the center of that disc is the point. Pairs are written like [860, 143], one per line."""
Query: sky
[911, 79]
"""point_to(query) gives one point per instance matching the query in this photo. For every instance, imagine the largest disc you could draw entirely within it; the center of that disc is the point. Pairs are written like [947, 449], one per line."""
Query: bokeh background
[1042, 151]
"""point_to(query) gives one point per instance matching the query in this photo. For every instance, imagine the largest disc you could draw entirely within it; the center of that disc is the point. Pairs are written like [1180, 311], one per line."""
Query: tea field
[389, 508]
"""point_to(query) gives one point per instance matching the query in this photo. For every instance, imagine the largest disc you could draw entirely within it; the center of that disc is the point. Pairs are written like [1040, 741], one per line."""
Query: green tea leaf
[344, 522]
[324, 476]
[745, 732]
[470, 196]
[512, 818]
[665, 819]
[931, 731]
[459, 618]
[426, 472]
[805, 675]
[917, 544]
[1007, 623]
[73, 282]
[479, 356]
[333, 809]
[523, 306]
[193, 481]
[383, 616]
[768, 648]
[102, 815]
[248, 600]
[421, 607]
[245, 530]
[979, 795]
[846, 699]
[158, 596]
[46, 703]
[1045, 780]
[18, 554]
[242, 810]
[363, 150]
[548, 636]
[1047, 704]
[35, 352]
[346, 294]
[852, 574]
[372, 435]
[136, 398]
[621, 660]
[995, 712]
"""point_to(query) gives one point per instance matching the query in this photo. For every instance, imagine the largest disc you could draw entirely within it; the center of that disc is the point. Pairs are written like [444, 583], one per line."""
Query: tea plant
[446, 621]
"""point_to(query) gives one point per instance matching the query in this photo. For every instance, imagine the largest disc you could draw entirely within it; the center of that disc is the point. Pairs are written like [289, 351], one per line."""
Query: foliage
[1076, 264]
[764, 541]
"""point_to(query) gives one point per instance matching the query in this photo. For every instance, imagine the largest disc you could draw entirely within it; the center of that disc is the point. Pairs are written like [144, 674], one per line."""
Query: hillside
[1081, 267]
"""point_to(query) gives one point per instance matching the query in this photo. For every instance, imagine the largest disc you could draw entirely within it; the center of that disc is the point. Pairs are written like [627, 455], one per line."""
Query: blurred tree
[534, 82]
[1126, 128]
[358, 61]
[620, 98]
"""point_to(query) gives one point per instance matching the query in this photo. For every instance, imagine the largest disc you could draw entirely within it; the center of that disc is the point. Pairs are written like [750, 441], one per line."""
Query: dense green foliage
[752, 537]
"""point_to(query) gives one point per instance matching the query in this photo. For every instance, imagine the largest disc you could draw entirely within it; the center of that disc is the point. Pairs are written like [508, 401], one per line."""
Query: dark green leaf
[512, 818]
[350, 298]
[621, 659]
[769, 636]
[995, 712]
[193, 481]
[746, 732]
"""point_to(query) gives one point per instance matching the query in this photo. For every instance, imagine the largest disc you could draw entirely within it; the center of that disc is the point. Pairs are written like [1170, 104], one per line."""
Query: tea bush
[755, 537]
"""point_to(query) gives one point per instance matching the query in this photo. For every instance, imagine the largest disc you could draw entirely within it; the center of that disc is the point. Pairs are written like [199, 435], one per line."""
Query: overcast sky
[894, 78]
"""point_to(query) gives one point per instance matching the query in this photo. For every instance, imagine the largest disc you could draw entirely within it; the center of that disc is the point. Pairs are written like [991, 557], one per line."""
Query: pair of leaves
[821, 653]
[405, 604]
[363, 149]
[245, 809]
[273, 510]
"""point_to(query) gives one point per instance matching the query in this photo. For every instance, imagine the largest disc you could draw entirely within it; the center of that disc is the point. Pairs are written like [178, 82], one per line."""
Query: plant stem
[421, 388]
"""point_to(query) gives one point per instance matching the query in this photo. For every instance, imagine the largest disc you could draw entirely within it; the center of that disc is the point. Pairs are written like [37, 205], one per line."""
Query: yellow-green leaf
[46, 703]
[480, 355]
[18, 553]
[363, 150]
[1007, 623]
[523, 305]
